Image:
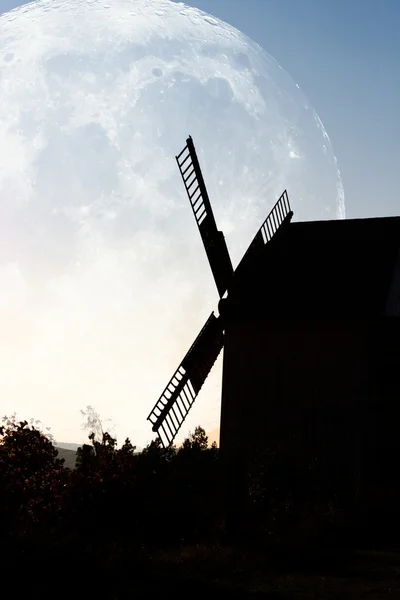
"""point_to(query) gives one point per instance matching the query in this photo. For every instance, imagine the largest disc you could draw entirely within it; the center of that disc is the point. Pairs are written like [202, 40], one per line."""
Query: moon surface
[103, 277]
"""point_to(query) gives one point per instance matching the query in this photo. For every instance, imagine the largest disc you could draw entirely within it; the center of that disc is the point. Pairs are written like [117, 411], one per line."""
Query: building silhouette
[312, 349]
[309, 323]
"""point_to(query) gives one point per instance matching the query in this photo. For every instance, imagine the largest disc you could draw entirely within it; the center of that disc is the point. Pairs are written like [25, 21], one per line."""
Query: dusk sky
[344, 56]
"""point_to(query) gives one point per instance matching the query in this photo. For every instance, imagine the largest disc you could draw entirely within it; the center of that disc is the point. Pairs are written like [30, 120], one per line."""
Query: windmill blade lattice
[280, 214]
[174, 404]
[213, 240]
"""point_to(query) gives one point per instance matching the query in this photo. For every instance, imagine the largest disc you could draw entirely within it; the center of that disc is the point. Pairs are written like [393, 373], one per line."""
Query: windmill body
[309, 323]
[174, 404]
[312, 349]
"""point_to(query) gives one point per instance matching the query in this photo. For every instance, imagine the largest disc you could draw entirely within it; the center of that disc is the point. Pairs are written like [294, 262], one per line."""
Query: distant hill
[69, 456]
[68, 451]
[68, 446]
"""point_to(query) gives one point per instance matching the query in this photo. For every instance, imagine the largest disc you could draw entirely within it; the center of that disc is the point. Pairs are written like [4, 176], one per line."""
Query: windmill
[173, 406]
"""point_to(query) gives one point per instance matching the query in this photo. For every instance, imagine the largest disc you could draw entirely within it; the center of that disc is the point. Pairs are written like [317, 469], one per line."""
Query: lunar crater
[99, 248]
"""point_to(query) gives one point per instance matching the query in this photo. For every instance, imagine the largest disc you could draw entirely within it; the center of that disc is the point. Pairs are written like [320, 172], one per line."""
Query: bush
[170, 495]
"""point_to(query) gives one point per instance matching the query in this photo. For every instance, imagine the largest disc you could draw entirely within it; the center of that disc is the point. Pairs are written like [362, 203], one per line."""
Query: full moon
[103, 277]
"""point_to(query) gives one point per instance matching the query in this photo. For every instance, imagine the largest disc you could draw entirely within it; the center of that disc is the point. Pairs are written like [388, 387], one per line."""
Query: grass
[285, 574]
[194, 571]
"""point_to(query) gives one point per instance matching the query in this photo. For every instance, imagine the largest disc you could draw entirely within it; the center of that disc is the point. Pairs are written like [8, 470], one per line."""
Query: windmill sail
[280, 214]
[214, 241]
[174, 404]
[176, 400]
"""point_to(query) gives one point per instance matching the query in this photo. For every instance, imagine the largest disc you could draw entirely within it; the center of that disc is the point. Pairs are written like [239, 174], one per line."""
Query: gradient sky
[344, 56]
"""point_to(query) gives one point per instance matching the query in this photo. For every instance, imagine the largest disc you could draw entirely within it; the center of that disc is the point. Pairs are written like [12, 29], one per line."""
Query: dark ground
[235, 571]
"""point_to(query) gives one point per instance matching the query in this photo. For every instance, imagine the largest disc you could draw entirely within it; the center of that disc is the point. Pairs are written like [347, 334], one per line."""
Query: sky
[344, 56]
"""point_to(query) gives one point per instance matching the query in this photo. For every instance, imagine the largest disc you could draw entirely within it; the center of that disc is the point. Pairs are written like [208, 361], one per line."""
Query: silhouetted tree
[93, 422]
[197, 440]
[128, 447]
[85, 458]
[157, 495]
[31, 477]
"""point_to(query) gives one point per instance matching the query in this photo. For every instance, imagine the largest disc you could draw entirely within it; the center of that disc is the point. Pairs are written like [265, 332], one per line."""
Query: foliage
[196, 441]
[159, 494]
[93, 422]
[32, 478]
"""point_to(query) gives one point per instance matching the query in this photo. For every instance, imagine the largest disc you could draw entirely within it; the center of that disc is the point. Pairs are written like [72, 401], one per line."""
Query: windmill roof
[322, 269]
